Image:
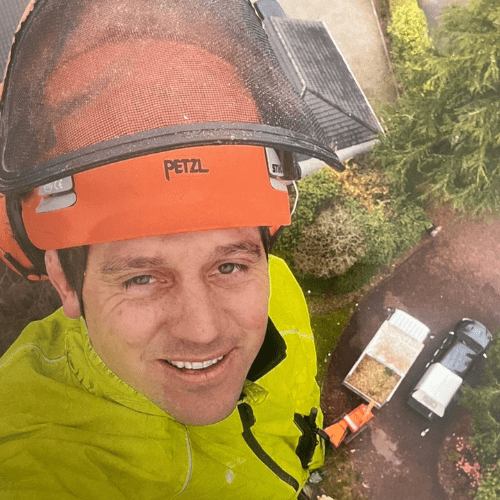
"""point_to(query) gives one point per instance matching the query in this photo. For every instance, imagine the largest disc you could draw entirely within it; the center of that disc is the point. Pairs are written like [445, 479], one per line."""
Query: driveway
[454, 275]
[354, 26]
[433, 9]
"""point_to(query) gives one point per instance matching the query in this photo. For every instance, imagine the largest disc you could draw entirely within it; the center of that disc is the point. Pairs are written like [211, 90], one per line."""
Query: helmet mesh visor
[94, 81]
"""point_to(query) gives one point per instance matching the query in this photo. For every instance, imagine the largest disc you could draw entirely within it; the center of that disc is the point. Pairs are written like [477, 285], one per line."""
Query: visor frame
[168, 139]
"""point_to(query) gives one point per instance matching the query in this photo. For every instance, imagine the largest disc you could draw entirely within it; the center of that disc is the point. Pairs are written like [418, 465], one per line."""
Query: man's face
[180, 318]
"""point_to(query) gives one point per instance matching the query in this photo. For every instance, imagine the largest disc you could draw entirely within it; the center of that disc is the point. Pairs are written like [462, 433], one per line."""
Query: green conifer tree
[443, 139]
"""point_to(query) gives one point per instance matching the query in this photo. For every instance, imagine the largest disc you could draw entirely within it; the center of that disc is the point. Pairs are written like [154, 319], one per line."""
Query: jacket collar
[271, 354]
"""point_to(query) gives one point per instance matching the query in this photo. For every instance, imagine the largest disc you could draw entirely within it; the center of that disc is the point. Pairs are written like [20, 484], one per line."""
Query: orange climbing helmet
[131, 118]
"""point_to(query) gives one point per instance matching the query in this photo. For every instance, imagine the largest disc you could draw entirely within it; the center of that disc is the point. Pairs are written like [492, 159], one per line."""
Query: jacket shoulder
[287, 305]
[41, 341]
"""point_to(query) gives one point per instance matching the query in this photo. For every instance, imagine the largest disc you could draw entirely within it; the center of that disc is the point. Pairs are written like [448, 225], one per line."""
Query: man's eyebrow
[119, 264]
[241, 247]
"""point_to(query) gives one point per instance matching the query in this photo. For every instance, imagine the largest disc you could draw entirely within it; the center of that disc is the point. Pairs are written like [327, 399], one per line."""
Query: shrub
[484, 402]
[316, 192]
[391, 229]
[410, 41]
[390, 222]
[331, 245]
[346, 219]
[490, 484]
[454, 456]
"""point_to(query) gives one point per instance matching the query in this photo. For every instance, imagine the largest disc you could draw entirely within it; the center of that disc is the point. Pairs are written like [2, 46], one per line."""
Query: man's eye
[143, 279]
[230, 267]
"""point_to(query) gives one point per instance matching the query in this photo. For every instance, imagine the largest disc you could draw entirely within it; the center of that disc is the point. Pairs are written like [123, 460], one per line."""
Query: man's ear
[69, 298]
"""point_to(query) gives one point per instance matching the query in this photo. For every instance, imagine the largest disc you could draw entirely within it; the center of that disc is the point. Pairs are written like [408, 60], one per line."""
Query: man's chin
[200, 411]
[205, 415]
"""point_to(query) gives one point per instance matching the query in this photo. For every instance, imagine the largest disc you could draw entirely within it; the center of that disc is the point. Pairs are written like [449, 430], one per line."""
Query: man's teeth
[195, 365]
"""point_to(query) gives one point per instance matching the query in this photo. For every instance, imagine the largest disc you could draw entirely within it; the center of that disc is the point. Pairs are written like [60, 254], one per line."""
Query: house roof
[268, 8]
[314, 64]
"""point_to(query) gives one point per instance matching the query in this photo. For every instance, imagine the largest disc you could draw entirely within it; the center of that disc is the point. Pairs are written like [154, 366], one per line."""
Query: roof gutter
[311, 165]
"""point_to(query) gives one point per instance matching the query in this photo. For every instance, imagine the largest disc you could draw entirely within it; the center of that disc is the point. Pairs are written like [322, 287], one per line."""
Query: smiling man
[198, 303]
[146, 150]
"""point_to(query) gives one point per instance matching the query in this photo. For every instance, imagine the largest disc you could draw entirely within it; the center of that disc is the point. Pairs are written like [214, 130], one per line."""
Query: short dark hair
[74, 262]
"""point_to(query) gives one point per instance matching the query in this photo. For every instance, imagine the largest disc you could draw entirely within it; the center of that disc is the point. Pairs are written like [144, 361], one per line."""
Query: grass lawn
[327, 331]
[330, 313]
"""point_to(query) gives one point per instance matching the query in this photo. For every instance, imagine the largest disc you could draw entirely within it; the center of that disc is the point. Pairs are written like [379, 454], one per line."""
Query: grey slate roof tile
[315, 66]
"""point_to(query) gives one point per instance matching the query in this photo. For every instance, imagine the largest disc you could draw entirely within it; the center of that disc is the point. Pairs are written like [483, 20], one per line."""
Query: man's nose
[200, 315]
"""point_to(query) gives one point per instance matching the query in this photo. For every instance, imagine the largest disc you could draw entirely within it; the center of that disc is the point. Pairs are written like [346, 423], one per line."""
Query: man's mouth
[194, 365]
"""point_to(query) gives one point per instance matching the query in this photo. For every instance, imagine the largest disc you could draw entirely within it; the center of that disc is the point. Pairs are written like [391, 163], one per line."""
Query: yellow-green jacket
[70, 428]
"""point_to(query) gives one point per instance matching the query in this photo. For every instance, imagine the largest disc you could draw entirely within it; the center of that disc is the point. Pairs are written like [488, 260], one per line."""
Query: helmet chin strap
[296, 198]
[34, 254]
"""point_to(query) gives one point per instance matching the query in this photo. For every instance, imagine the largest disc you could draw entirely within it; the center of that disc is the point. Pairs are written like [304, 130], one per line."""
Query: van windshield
[459, 358]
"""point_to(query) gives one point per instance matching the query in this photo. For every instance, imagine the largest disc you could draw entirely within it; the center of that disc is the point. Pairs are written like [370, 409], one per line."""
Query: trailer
[378, 371]
[387, 358]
